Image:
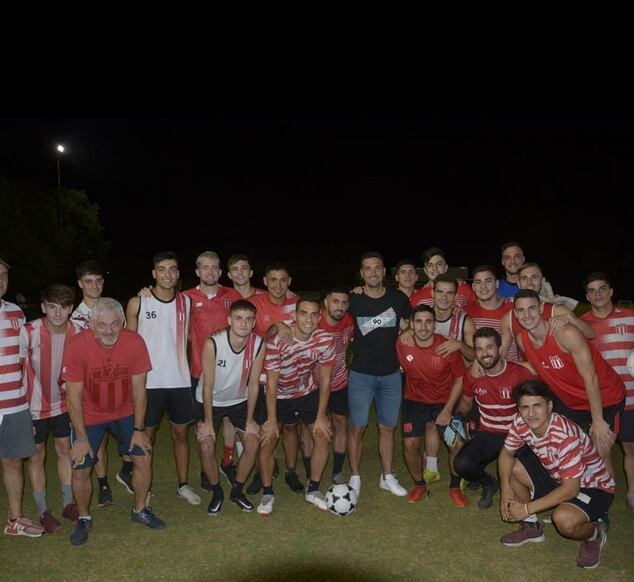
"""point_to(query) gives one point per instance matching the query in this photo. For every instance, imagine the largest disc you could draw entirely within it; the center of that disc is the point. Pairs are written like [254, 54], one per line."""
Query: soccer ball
[341, 499]
[630, 364]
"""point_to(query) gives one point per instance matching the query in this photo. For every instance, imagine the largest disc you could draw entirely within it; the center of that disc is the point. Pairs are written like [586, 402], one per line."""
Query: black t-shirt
[376, 329]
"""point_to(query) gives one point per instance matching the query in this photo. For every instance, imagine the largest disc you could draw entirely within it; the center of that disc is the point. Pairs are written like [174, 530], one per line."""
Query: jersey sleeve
[570, 464]
[73, 364]
[327, 355]
[272, 358]
[456, 365]
[513, 440]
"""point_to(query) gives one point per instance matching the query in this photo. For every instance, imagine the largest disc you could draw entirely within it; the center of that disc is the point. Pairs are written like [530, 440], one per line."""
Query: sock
[218, 488]
[313, 485]
[337, 462]
[126, 467]
[268, 490]
[67, 495]
[454, 483]
[227, 456]
[532, 518]
[431, 464]
[88, 517]
[486, 480]
[182, 483]
[239, 448]
[40, 501]
[237, 489]
[290, 470]
[103, 482]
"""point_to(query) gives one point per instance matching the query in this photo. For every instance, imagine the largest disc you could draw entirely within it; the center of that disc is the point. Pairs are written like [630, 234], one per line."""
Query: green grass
[385, 539]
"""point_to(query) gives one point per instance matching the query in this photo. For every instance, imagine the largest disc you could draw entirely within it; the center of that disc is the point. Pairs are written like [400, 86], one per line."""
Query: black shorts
[260, 413]
[593, 502]
[236, 413]
[415, 415]
[177, 401]
[59, 427]
[199, 411]
[611, 415]
[626, 434]
[338, 402]
[291, 410]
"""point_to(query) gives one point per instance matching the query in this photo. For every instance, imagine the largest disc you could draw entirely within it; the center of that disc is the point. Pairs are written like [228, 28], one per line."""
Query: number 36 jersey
[163, 325]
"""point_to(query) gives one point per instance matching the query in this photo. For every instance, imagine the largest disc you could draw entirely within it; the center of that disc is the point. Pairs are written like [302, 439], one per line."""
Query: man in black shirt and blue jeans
[379, 314]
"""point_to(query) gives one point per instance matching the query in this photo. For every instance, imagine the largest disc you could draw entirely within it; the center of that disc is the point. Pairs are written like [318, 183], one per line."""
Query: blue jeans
[385, 390]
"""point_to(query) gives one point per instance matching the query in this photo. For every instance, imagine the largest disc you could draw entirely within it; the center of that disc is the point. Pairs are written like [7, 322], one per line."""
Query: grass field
[385, 539]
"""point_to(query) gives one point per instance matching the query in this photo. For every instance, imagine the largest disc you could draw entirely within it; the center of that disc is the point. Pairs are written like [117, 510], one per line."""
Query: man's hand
[253, 428]
[357, 290]
[141, 440]
[557, 323]
[476, 370]
[515, 511]
[81, 447]
[407, 338]
[602, 437]
[284, 331]
[146, 292]
[269, 431]
[449, 347]
[444, 418]
[506, 497]
[322, 425]
[205, 430]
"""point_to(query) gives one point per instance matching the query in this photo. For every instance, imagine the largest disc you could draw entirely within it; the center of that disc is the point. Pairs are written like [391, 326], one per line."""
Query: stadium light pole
[60, 150]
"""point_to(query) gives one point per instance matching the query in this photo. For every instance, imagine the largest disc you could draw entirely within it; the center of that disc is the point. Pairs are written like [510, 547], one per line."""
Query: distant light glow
[60, 149]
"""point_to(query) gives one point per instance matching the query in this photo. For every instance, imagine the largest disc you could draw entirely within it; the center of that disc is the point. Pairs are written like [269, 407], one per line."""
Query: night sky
[317, 190]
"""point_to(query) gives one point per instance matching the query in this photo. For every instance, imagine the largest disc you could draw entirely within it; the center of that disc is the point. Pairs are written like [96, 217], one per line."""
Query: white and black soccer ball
[341, 499]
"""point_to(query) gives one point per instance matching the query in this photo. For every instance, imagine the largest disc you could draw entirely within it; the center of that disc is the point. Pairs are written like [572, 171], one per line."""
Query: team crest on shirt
[437, 361]
[199, 304]
[556, 362]
[409, 358]
[621, 329]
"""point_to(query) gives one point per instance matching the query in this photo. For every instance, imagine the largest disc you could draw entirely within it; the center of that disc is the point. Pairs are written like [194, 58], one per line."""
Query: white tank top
[228, 377]
[163, 325]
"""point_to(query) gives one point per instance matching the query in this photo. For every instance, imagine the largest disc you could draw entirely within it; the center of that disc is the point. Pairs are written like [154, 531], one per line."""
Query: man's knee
[567, 519]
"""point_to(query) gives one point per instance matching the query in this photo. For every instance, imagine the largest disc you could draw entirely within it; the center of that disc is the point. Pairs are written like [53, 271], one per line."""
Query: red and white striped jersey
[614, 338]
[565, 451]
[208, 316]
[44, 352]
[295, 362]
[493, 318]
[428, 376]
[342, 334]
[80, 318]
[422, 296]
[453, 326]
[12, 388]
[494, 396]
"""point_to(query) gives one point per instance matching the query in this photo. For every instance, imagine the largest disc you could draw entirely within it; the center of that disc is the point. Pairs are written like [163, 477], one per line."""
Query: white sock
[531, 518]
[432, 464]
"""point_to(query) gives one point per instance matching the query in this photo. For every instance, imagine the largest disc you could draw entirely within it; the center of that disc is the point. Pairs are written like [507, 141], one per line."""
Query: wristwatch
[139, 428]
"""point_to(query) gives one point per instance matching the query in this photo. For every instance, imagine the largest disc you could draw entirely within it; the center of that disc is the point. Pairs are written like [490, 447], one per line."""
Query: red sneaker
[49, 523]
[416, 493]
[23, 526]
[71, 513]
[458, 497]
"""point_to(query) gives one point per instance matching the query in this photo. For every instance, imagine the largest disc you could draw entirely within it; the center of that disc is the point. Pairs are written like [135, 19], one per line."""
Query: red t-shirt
[428, 376]
[342, 333]
[208, 316]
[106, 373]
[269, 313]
[464, 296]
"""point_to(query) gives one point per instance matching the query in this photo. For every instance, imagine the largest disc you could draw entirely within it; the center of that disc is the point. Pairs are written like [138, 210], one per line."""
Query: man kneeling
[556, 467]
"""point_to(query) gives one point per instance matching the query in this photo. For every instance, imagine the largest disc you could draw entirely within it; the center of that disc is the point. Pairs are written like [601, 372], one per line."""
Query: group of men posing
[265, 363]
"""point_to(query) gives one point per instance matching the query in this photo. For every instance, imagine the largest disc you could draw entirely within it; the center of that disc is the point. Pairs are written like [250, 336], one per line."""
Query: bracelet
[526, 509]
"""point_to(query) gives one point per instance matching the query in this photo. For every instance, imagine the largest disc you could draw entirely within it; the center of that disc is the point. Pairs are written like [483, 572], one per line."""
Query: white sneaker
[355, 483]
[317, 499]
[391, 484]
[186, 492]
[266, 505]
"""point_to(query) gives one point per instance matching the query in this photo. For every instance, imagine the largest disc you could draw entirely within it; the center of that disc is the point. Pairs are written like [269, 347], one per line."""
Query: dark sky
[318, 189]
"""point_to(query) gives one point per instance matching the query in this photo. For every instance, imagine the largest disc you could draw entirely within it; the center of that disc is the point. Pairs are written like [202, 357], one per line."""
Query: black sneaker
[292, 480]
[256, 484]
[81, 531]
[146, 517]
[105, 496]
[204, 482]
[486, 497]
[126, 480]
[473, 485]
[242, 502]
[215, 505]
[229, 471]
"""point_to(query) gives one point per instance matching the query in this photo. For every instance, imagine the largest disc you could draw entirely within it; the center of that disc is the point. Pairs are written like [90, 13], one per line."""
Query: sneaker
[215, 505]
[187, 492]
[589, 554]
[204, 482]
[242, 502]
[256, 484]
[229, 471]
[105, 496]
[431, 476]
[317, 499]
[81, 531]
[338, 479]
[391, 484]
[266, 505]
[23, 526]
[355, 483]
[292, 480]
[416, 493]
[528, 532]
[71, 512]
[146, 517]
[49, 523]
[126, 480]
[486, 497]
[458, 497]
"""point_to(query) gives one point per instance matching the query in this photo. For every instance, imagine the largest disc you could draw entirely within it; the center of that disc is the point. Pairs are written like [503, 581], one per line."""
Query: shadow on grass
[313, 573]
